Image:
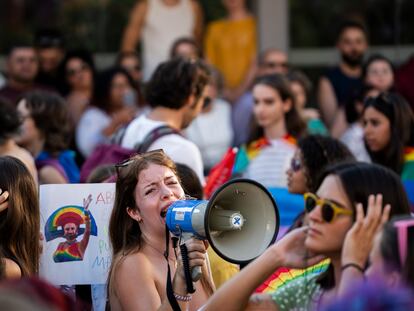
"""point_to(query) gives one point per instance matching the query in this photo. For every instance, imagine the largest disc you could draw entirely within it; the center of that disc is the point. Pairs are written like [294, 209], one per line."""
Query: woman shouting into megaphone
[146, 186]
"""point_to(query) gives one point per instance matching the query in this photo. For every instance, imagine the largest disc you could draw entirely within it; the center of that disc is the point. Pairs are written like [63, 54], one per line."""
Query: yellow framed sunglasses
[329, 209]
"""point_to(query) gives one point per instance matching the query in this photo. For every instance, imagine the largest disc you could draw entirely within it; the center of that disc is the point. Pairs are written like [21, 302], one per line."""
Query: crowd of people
[174, 112]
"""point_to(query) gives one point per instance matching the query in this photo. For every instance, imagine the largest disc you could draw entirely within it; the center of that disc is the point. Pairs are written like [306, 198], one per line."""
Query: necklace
[172, 259]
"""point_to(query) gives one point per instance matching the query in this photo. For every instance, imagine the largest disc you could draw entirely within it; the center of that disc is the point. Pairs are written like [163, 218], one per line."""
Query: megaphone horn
[240, 221]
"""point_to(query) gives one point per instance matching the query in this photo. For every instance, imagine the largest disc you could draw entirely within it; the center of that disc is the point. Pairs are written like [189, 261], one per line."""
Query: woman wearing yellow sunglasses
[344, 190]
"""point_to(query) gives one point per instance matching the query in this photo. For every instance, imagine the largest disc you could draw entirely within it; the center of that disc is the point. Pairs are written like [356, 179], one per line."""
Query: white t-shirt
[212, 132]
[89, 130]
[178, 148]
[270, 166]
[353, 138]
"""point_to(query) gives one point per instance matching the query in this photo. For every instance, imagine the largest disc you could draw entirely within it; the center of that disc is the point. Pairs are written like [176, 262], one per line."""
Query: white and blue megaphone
[240, 221]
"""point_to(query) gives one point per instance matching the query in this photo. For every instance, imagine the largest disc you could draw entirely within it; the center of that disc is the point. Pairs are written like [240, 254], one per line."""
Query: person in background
[276, 127]
[301, 88]
[176, 94]
[185, 47]
[313, 155]
[10, 123]
[109, 110]
[19, 221]
[216, 113]
[378, 73]
[50, 49]
[270, 61]
[389, 136]
[131, 62]
[230, 45]
[45, 133]
[22, 67]
[157, 23]
[77, 74]
[340, 82]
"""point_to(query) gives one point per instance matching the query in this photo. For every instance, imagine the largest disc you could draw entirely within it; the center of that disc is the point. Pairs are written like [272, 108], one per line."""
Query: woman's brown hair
[124, 232]
[20, 221]
[295, 126]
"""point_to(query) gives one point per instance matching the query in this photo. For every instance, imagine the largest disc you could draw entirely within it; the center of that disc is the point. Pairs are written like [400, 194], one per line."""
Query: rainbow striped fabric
[246, 154]
[407, 175]
[284, 276]
[66, 252]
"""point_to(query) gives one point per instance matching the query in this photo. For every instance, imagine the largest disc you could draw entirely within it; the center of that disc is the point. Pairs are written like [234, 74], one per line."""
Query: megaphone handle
[186, 266]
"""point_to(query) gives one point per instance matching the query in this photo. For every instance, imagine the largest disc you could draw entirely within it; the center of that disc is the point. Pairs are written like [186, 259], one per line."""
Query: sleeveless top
[162, 26]
[344, 86]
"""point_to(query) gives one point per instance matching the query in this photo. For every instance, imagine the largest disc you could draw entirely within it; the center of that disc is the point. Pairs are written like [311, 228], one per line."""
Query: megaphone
[240, 221]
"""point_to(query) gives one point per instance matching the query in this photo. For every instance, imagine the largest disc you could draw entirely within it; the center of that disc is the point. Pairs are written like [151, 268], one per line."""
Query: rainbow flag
[284, 276]
[235, 162]
[407, 175]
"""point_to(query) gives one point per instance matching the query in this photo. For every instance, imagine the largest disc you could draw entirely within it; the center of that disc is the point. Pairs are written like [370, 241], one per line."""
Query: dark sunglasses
[206, 102]
[273, 65]
[295, 165]
[329, 209]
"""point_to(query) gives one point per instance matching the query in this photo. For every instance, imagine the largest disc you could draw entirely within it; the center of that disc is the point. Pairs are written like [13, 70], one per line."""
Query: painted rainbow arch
[66, 214]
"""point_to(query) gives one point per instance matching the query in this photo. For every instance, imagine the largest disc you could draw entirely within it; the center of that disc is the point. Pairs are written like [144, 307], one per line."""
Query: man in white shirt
[175, 93]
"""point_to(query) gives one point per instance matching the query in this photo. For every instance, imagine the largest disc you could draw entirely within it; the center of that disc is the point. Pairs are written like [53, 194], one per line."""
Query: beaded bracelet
[185, 298]
[353, 265]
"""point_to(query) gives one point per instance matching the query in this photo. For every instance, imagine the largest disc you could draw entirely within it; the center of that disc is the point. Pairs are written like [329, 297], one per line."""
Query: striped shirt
[270, 166]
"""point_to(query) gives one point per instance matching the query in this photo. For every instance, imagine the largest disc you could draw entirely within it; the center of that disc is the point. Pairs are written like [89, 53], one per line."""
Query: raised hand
[359, 239]
[4, 195]
[86, 202]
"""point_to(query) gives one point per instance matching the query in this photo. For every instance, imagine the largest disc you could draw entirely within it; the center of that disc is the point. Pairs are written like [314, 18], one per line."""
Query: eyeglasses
[119, 166]
[329, 209]
[295, 164]
[73, 71]
[402, 232]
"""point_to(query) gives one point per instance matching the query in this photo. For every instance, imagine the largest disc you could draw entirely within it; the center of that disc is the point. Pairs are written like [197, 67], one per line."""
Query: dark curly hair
[174, 81]
[9, 120]
[317, 153]
[51, 116]
[294, 123]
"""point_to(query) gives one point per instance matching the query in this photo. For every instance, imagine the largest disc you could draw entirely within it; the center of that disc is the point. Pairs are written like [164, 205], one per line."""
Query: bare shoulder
[132, 266]
[12, 269]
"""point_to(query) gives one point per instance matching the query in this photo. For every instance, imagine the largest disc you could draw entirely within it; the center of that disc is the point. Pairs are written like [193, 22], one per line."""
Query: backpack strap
[153, 135]
[116, 138]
